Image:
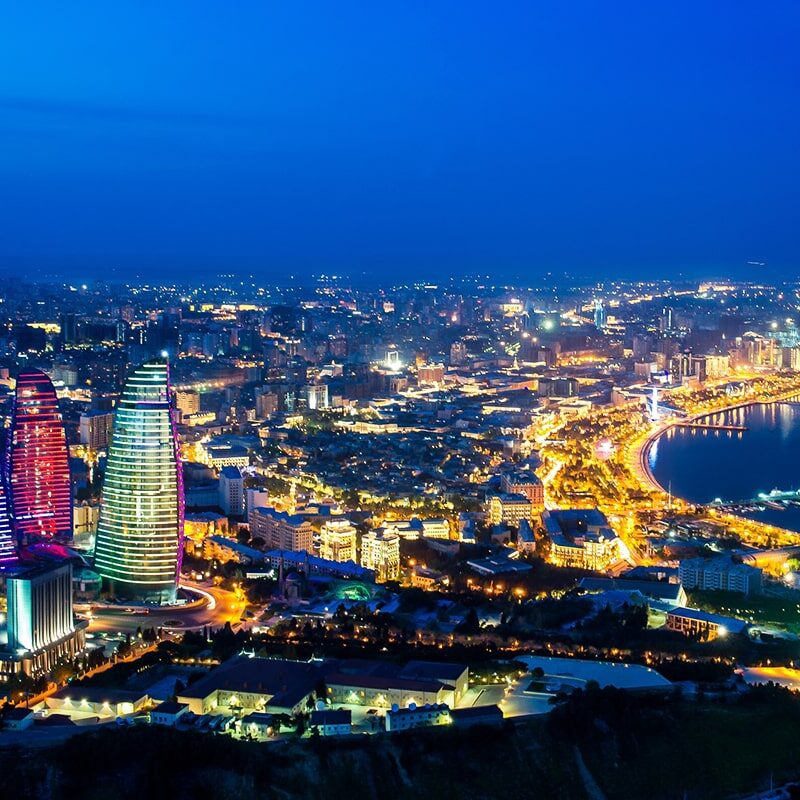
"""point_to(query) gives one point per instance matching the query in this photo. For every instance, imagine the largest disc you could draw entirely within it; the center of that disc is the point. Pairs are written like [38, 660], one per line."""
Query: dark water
[736, 467]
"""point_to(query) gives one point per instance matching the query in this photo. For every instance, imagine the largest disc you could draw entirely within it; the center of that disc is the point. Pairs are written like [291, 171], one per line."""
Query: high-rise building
[231, 491]
[140, 532]
[41, 494]
[95, 429]
[380, 552]
[337, 540]
[41, 628]
[8, 540]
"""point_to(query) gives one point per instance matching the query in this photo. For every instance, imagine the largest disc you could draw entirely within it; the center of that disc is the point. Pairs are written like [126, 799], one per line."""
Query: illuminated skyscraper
[140, 532]
[41, 495]
[8, 541]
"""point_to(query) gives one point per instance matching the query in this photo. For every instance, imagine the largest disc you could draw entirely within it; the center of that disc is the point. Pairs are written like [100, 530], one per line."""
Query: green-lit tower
[140, 532]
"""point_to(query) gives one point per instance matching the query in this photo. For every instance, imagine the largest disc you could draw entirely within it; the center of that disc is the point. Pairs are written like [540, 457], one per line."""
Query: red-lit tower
[41, 495]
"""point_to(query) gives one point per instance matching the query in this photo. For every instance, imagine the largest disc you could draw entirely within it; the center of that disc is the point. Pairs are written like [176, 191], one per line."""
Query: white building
[582, 538]
[282, 531]
[720, 574]
[332, 722]
[337, 540]
[508, 508]
[380, 552]
[168, 713]
[317, 396]
[403, 719]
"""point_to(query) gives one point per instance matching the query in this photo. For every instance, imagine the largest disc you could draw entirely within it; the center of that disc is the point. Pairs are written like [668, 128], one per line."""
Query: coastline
[641, 451]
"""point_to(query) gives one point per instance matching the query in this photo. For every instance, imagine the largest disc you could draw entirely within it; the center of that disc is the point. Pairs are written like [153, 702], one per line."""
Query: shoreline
[640, 452]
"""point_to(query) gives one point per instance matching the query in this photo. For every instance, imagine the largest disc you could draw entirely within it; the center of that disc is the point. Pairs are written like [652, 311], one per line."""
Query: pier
[711, 426]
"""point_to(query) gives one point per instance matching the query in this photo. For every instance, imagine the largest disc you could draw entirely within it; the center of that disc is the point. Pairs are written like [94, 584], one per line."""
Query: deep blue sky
[399, 138]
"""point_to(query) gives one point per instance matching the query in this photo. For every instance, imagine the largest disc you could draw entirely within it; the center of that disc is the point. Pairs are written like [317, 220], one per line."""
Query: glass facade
[140, 531]
[41, 494]
[8, 543]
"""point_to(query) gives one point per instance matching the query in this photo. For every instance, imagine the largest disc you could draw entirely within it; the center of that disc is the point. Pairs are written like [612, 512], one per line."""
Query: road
[215, 607]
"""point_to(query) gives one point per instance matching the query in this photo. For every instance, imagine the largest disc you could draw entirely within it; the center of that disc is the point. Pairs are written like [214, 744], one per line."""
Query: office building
[337, 540]
[140, 531]
[231, 491]
[41, 493]
[380, 552]
[40, 626]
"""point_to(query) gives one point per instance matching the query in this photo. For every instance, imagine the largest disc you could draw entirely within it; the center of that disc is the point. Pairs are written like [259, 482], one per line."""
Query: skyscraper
[41, 494]
[8, 540]
[140, 532]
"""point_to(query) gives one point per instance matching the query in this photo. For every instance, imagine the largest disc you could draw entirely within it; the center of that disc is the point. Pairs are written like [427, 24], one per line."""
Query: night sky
[400, 139]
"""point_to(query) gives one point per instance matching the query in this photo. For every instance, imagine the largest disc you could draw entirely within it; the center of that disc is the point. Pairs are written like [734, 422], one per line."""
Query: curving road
[215, 607]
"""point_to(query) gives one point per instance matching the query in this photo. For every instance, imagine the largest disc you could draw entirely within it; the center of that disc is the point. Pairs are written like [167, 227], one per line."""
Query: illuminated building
[281, 531]
[508, 508]
[231, 491]
[582, 538]
[95, 429]
[41, 629]
[414, 716]
[380, 551]
[337, 540]
[430, 373]
[702, 625]
[524, 483]
[8, 540]
[720, 574]
[41, 495]
[140, 532]
[317, 396]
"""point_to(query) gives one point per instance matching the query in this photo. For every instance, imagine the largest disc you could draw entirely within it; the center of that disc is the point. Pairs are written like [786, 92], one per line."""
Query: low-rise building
[670, 594]
[414, 716]
[168, 713]
[701, 624]
[17, 719]
[476, 715]
[526, 542]
[96, 701]
[257, 725]
[720, 574]
[582, 538]
[332, 722]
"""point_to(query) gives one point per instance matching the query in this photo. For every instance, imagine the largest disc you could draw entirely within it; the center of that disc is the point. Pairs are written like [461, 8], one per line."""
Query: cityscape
[393, 507]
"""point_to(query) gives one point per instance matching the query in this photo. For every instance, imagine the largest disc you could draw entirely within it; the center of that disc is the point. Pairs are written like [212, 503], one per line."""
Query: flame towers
[140, 532]
[39, 475]
[8, 539]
